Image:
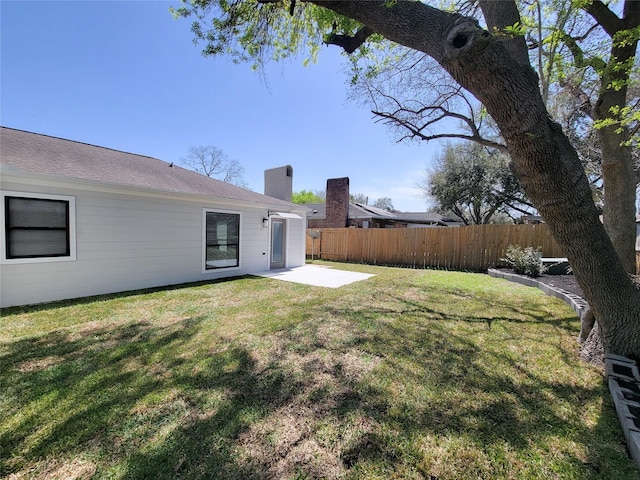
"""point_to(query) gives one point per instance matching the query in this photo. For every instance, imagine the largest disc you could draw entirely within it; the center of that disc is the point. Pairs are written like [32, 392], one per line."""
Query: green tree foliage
[259, 31]
[474, 183]
[307, 196]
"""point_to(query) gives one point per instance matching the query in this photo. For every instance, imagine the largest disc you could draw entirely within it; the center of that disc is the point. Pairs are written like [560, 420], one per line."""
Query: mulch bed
[564, 282]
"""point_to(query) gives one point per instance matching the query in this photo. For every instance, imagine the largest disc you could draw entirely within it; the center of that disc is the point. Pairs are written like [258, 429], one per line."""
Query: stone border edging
[577, 303]
[624, 384]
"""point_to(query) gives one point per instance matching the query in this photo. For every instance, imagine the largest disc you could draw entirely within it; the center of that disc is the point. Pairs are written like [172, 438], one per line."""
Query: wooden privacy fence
[475, 247]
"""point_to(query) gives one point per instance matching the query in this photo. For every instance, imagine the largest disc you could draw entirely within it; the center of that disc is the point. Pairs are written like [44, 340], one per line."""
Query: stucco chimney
[278, 182]
[338, 202]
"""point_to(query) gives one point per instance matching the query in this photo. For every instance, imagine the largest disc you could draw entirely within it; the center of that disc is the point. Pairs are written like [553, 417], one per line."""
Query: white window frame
[41, 196]
[205, 270]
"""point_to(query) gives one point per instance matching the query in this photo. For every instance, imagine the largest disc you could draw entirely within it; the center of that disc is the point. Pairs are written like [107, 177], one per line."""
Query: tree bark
[619, 181]
[500, 15]
[618, 175]
[543, 160]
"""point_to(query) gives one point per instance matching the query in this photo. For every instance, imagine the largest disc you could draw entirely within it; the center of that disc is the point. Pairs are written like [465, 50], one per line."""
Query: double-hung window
[38, 227]
[222, 240]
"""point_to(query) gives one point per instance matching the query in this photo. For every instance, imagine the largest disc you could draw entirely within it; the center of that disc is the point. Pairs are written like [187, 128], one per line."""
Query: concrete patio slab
[316, 275]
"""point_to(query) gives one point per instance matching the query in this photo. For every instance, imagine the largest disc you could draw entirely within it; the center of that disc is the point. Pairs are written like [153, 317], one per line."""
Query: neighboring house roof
[42, 154]
[318, 210]
[426, 217]
[356, 210]
[359, 211]
[369, 212]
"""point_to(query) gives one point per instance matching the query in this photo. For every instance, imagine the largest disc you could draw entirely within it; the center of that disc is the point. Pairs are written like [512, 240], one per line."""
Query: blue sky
[126, 75]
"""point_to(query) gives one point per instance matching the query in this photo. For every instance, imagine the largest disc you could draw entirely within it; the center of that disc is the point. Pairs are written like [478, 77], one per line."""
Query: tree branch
[598, 64]
[585, 102]
[631, 14]
[500, 15]
[423, 26]
[517, 208]
[605, 17]
[349, 43]
[610, 21]
[418, 131]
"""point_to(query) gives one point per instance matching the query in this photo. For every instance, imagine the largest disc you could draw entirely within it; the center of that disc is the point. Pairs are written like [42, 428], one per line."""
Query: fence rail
[475, 247]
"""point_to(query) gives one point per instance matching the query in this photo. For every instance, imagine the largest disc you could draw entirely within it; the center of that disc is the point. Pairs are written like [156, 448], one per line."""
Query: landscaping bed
[565, 282]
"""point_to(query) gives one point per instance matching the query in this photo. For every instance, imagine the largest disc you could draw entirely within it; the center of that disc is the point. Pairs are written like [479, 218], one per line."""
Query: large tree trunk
[619, 210]
[618, 175]
[543, 160]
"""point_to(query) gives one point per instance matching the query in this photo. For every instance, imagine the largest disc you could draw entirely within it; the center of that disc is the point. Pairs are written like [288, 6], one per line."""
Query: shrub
[524, 262]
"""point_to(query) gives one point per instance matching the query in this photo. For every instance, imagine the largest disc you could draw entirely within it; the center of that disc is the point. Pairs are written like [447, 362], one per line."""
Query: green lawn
[411, 374]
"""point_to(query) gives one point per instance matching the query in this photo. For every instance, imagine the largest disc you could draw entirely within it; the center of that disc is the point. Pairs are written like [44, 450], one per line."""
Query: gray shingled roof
[42, 154]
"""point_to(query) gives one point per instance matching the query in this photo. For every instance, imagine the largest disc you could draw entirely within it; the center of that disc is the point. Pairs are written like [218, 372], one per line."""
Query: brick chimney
[337, 196]
[278, 182]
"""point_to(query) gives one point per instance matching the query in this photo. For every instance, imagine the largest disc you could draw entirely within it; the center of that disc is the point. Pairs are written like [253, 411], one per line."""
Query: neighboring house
[339, 212]
[80, 220]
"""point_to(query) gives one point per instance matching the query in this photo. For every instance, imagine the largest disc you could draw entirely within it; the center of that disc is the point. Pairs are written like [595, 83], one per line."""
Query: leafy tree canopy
[307, 196]
[474, 184]
[257, 32]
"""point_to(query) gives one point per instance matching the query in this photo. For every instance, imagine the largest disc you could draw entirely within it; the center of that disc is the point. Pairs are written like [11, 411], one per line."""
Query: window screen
[36, 227]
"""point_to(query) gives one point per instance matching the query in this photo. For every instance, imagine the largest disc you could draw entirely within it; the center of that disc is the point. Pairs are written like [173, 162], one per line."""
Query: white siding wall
[126, 242]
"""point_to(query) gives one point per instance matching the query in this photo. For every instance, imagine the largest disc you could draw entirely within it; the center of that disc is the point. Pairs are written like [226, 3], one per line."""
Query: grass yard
[412, 374]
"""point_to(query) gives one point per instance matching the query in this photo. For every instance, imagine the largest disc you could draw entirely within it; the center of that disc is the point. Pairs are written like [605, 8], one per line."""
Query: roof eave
[11, 172]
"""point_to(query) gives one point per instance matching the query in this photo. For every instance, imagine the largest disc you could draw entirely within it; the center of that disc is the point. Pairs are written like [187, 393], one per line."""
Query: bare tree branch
[417, 131]
[213, 162]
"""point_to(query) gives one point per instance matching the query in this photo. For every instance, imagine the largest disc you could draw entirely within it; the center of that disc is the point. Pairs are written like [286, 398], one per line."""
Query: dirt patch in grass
[75, 469]
[36, 364]
[308, 433]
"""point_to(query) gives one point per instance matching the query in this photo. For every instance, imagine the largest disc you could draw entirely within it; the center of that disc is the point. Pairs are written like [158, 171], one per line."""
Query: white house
[80, 220]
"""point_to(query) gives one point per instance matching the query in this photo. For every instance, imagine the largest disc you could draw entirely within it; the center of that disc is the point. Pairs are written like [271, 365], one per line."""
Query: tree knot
[465, 39]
